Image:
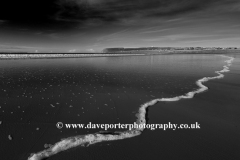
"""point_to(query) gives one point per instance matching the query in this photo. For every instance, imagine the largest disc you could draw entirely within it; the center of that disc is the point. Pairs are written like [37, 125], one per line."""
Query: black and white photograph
[119, 80]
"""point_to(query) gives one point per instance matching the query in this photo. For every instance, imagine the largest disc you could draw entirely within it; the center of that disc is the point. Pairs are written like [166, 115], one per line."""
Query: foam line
[86, 140]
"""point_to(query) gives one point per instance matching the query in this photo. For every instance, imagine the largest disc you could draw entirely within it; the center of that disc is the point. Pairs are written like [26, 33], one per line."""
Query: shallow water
[35, 94]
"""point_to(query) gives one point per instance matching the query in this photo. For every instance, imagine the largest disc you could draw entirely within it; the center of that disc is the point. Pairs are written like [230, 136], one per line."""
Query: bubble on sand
[10, 137]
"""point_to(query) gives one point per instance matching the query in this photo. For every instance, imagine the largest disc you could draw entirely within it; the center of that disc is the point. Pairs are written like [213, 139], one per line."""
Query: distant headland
[162, 50]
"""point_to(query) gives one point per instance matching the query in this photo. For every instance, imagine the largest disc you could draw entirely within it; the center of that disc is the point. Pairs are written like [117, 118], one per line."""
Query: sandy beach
[216, 110]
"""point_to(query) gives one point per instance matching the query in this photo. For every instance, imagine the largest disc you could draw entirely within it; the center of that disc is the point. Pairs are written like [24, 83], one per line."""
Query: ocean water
[35, 94]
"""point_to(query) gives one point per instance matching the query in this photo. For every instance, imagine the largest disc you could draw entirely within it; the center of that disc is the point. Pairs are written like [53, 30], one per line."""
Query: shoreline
[216, 110]
[51, 56]
[89, 139]
[12, 56]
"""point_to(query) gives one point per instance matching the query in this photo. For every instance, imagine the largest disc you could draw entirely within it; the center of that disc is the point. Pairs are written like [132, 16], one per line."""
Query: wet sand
[217, 111]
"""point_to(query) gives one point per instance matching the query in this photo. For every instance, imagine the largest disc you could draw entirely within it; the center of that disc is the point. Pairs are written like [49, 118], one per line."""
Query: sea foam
[86, 140]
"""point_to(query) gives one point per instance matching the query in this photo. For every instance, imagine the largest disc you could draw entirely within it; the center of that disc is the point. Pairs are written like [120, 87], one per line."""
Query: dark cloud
[116, 10]
[66, 14]
[50, 11]
[27, 10]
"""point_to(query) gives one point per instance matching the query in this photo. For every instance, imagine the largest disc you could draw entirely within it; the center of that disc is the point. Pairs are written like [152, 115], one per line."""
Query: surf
[89, 139]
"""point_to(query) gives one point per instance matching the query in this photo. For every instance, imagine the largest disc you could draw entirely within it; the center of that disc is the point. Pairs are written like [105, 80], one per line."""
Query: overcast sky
[92, 25]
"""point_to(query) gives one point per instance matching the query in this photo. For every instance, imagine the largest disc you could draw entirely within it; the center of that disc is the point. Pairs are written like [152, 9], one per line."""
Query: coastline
[216, 111]
[213, 110]
[44, 56]
[89, 139]
[4, 56]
